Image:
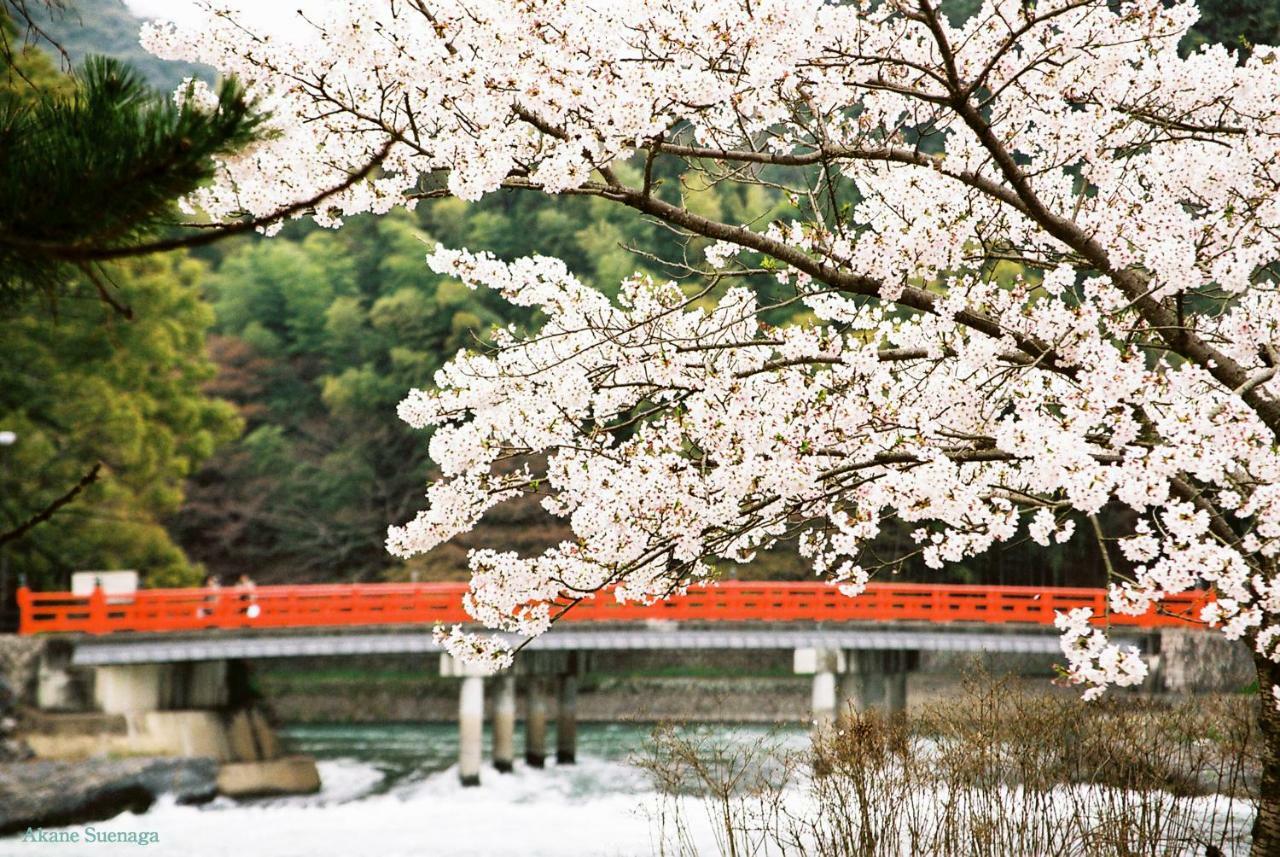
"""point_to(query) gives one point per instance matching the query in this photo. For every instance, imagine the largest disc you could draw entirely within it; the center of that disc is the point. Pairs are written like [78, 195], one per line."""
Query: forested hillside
[320, 333]
[109, 28]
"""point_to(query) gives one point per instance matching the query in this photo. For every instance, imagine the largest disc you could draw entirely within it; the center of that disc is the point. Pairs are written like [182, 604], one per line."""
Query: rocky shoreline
[41, 793]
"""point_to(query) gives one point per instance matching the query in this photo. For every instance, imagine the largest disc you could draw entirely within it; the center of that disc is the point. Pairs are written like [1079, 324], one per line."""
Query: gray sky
[275, 15]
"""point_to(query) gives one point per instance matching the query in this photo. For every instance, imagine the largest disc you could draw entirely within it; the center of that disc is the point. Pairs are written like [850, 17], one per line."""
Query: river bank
[403, 701]
[339, 699]
[392, 790]
[42, 793]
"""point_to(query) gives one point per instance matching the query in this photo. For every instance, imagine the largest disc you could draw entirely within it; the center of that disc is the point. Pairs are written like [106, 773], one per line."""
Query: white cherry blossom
[1129, 364]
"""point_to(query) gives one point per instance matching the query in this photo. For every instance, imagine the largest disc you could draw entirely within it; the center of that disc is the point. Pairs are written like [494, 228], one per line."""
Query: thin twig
[48, 511]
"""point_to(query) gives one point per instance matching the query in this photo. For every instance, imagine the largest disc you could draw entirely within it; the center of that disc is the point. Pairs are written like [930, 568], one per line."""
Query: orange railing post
[97, 611]
[24, 610]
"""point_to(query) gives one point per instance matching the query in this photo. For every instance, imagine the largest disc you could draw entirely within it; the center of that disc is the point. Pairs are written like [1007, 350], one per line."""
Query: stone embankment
[82, 745]
[43, 793]
[743, 687]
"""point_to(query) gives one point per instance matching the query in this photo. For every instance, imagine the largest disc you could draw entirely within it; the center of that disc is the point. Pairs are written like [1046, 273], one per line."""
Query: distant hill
[109, 28]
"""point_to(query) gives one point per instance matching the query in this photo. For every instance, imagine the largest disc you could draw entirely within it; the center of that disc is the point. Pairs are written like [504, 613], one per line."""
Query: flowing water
[391, 790]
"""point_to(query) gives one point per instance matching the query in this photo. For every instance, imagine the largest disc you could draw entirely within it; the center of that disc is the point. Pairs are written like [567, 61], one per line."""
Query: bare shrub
[993, 773]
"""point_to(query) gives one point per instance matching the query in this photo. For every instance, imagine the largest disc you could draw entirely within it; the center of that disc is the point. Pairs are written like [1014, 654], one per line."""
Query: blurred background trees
[93, 388]
[101, 408]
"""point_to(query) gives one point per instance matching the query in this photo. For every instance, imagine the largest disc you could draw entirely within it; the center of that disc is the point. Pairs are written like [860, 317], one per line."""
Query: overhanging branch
[48, 511]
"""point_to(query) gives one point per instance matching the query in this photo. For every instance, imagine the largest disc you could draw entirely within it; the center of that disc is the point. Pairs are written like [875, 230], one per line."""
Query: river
[391, 790]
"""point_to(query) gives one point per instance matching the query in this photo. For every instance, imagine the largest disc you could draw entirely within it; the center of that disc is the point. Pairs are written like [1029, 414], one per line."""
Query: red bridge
[335, 605]
[859, 651]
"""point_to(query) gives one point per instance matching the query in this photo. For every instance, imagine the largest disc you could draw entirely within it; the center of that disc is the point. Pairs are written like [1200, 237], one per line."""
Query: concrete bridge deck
[222, 645]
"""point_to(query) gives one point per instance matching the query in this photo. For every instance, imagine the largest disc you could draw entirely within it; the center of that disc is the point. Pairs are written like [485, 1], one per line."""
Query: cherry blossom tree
[1129, 364]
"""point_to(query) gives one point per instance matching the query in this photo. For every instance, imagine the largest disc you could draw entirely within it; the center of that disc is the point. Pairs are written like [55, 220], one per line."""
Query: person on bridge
[213, 584]
[251, 600]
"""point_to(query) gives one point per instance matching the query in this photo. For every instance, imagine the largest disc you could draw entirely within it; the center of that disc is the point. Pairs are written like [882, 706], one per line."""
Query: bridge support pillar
[876, 681]
[130, 688]
[1154, 683]
[470, 716]
[895, 682]
[851, 694]
[824, 699]
[535, 722]
[567, 720]
[504, 722]
[470, 729]
[823, 665]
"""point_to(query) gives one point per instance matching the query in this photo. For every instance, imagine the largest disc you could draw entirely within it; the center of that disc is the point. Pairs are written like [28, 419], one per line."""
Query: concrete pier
[823, 665]
[535, 722]
[895, 679]
[877, 680]
[470, 729]
[567, 720]
[866, 679]
[128, 688]
[504, 722]
[470, 715]
[824, 699]
[848, 696]
[185, 709]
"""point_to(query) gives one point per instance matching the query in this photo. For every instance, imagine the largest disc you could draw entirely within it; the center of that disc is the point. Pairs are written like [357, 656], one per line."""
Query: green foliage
[26, 69]
[331, 328]
[1236, 24]
[322, 333]
[98, 161]
[101, 167]
[90, 388]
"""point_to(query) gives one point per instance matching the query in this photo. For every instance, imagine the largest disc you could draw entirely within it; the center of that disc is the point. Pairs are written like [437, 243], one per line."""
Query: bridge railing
[334, 605]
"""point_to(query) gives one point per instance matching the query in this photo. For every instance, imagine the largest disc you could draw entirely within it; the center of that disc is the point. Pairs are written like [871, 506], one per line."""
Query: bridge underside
[219, 646]
[859, 666]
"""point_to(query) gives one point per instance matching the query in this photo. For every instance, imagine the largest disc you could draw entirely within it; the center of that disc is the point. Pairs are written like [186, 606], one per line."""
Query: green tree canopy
[91, 388]
[110, 416]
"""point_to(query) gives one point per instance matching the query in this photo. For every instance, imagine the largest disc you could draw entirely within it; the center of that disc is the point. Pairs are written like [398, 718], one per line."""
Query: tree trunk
[1266, 828]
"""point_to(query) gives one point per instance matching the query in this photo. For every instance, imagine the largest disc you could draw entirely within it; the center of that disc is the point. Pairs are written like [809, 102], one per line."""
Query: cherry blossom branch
[1135, 285]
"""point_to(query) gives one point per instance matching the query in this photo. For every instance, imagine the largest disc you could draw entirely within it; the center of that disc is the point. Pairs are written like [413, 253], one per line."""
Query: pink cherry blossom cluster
[1131, 364]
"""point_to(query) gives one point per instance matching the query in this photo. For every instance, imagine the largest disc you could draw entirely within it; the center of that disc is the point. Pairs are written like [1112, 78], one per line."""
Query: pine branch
[91, 175]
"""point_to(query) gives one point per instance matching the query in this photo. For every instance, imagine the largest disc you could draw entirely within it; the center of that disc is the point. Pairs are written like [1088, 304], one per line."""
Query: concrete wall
[190, 710]
[128, 688]
[19, 659]
[177, 709]
[1204, 662]
[161, 687]
[243, 735]
[181, 733]
[59, 686]
[182, 709]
